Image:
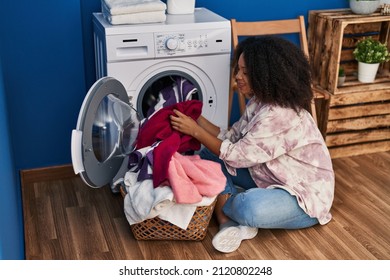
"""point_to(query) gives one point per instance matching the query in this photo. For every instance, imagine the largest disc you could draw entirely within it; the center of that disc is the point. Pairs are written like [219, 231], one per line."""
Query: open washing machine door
[107, 128]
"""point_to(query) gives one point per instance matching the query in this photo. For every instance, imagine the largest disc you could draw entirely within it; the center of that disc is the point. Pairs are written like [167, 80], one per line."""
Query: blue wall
[47, 67]
[10, 210]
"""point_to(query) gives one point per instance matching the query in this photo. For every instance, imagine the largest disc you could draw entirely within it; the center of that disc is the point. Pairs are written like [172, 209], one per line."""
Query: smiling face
[242, 78]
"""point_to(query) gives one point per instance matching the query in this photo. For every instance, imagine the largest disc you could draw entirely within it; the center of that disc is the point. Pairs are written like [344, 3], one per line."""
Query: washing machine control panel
[191, 43]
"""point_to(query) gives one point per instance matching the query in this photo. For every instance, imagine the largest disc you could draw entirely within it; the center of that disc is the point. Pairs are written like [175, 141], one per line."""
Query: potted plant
[370, 53]
[364, 7]
[341, 77]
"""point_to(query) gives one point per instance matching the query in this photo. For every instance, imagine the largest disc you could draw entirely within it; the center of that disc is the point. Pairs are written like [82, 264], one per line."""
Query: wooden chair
[273, 27]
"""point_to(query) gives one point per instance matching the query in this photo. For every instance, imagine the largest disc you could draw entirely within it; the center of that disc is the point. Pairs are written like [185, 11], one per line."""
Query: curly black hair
[278, 71]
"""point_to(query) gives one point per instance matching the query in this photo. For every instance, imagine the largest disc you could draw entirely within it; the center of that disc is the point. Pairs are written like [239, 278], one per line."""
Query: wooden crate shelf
[332, 37]
[356, 119]
[357, 123]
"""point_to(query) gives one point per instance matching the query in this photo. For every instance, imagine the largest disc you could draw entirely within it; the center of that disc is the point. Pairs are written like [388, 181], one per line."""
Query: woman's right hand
[183, 123]
[202, 130]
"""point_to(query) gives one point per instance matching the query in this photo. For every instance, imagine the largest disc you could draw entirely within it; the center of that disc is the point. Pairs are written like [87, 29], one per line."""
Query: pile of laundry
[133, 11]
[165, 179]
[191, 182]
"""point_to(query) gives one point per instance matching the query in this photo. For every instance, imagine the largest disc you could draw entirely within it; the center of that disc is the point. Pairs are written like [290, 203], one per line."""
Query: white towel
[119, 7]
[142, 200]
[145, 17]
[181, 214]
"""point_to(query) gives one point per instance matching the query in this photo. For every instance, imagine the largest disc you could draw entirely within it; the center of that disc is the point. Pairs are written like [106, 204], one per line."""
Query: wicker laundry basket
[158, 229]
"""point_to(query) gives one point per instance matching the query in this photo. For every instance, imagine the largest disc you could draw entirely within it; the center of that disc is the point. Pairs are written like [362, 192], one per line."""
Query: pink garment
[191, 178]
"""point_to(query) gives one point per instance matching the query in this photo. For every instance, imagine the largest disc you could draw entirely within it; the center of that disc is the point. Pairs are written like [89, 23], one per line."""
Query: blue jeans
[272, 208]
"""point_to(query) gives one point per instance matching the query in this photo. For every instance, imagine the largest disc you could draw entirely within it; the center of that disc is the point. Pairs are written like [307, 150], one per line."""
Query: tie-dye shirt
[282, 149]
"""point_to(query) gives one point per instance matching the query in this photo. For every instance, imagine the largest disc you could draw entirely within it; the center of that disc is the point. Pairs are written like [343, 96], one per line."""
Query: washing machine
[134, 64]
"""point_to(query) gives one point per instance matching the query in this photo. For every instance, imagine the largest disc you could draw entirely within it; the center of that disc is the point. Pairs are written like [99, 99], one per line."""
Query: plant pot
[364, 7]
[340, 81]
[367, 72]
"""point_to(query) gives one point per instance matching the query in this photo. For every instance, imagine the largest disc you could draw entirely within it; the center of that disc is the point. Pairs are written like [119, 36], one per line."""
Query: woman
[279, 172]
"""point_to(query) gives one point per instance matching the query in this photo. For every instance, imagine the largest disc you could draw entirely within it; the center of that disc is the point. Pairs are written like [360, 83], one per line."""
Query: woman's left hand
[183, 123]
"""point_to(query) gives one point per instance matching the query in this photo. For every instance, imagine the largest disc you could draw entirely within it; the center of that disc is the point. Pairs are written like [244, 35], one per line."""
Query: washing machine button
[171, 44]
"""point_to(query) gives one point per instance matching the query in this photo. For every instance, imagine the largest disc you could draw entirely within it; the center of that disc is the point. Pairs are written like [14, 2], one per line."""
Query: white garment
[136, 18]
[143, 202]
[118, 7]
[181, 214]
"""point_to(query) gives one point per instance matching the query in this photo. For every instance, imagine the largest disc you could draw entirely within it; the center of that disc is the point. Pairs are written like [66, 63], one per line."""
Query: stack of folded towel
[133, 11]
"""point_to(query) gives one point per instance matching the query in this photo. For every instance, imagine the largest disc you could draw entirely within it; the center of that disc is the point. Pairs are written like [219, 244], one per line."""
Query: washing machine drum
[106, 131]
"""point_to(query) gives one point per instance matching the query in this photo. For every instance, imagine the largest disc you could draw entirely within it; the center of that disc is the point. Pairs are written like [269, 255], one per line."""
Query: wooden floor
[65, 219]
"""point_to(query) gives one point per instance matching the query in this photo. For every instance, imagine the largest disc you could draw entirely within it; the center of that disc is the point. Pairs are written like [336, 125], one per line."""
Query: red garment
[158, 128]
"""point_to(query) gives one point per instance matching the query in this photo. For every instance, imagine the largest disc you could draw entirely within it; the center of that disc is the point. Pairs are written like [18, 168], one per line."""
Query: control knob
[171, 44]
